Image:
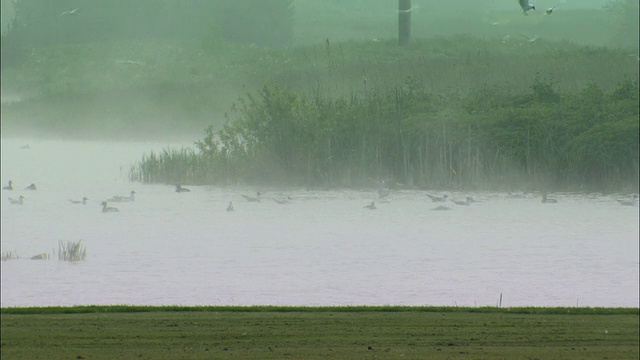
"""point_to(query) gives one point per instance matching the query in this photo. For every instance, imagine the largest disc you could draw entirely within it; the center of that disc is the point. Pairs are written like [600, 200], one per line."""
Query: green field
[314, 333]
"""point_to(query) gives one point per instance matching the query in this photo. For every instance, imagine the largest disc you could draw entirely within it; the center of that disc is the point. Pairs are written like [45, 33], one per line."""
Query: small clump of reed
[9, 255]
[71, 251]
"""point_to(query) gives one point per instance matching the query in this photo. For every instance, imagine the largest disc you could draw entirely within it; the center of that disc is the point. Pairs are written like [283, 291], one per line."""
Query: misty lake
[323, 248]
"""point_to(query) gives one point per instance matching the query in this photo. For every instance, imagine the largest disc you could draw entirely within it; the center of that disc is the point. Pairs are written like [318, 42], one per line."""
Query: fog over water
[323, 248]
[87, 88]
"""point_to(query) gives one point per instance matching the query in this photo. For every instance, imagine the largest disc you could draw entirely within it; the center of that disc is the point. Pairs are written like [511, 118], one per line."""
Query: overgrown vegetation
[490, 139]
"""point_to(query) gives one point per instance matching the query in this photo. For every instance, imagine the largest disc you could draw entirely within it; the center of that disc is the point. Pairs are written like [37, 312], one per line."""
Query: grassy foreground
[312, 333]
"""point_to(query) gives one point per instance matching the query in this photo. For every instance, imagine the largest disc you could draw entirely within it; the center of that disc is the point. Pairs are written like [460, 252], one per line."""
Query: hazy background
[170, 67]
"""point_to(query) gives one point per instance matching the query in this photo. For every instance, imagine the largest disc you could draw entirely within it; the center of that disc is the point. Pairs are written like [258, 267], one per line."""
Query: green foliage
[541, 310]
[543, 138]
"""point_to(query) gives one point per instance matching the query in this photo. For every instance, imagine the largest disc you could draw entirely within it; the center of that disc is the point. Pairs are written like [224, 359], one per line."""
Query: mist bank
[147, 90]
[492, 139]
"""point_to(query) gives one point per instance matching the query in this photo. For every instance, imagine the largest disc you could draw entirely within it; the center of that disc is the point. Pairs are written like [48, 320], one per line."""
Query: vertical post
[404, 21]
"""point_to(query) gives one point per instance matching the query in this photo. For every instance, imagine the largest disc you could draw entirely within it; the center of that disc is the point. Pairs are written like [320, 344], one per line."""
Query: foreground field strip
[336, 333]
[267, 308]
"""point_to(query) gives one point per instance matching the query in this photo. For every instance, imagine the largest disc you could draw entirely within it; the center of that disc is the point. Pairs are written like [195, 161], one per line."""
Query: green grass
[107, 332]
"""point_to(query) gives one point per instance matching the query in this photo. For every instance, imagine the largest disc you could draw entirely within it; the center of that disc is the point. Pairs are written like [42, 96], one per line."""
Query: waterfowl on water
[382, 193]
[253, 199]
[434, 198]
[282, 201]
[458, 202]
[78, 202]
[9, 186]
[441, 208]
[180, 189]
[230, 207]
[371, 206]
[511, 195]
[526, 6]
[123, 198]
[31, 187]
[631, 202]
[18, 201]
[106, 208]
[548, 200]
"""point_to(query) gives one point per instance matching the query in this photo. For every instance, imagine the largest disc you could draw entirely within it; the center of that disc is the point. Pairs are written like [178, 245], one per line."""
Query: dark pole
[404, 21]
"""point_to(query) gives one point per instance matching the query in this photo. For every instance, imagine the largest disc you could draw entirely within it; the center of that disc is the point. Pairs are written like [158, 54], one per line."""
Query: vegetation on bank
[88, 309]
[492, 138]
[325, 334]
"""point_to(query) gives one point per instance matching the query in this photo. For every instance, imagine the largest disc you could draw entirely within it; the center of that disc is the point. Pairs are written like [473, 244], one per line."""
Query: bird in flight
[526, 6]
[70, 12]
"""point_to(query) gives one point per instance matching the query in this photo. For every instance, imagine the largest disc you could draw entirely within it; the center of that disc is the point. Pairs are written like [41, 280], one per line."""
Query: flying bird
[70, 12]
[549, 11]
[531, 40]
[371, 206]
[526, 6]
[31, 187]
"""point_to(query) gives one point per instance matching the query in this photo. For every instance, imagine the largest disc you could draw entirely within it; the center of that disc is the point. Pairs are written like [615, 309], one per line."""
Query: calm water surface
[323, 248]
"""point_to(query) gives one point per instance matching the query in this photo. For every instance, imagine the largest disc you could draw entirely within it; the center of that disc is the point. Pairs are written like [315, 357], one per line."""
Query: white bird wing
[523, 4]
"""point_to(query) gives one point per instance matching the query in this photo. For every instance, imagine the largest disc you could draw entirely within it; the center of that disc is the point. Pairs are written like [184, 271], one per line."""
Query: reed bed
[490, 139]
[71, 251]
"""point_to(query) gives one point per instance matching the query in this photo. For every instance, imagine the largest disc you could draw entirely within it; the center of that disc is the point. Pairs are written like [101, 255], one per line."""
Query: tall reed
[71, 251]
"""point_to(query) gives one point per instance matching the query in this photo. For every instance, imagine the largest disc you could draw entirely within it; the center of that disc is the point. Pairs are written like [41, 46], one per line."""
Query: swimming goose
[105, 208]
[631, 202]
[458, 202]
[443, 198]
[371, 206]
[180, 189]
[441, 208]
[18, 201]
[123, 198]
[253, 199]
[526, 6]
[547, 200]
[230, 207]
[8, 187]
[31, 187]
[77, 202]
[281, 201]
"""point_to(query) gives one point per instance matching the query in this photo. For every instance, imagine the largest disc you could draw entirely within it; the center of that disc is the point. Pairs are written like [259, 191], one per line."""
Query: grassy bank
[312, 333]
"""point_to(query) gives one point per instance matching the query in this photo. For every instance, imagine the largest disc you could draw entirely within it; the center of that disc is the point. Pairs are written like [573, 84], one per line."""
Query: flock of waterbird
[382, 194]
